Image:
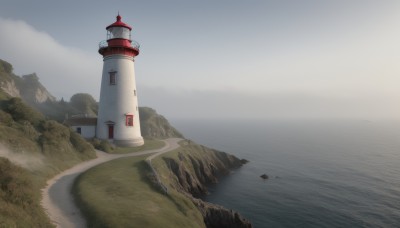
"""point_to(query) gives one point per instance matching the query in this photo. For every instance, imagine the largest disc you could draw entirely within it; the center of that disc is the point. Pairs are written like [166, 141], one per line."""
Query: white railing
[134, 44]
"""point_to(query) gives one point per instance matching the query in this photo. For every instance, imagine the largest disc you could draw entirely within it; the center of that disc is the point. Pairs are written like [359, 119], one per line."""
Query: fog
[24, 159]
[237, 105]
[247, 61]
[63, 70]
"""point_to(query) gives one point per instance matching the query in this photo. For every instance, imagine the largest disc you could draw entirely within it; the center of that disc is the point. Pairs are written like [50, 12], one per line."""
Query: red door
[110, 131]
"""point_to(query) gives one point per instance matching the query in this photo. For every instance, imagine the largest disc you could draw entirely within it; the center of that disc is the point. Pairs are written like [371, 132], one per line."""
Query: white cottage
[85, 126]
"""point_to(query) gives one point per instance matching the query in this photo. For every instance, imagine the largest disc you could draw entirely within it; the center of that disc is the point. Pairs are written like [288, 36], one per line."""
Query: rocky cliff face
[193, 167]
[216, 216]
[33, 91]
[26, 87]
[153, 125]
[7, 79]
[10, 88]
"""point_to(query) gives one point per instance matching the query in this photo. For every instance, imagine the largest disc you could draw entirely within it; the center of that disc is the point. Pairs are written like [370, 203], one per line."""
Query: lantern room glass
[118, 32]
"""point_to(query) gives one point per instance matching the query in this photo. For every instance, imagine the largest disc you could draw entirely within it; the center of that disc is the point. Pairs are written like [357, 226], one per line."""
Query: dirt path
[57, 199]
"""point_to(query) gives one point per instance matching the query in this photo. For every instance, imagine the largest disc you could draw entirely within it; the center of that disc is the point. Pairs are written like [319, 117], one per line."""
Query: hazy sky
[221, 59]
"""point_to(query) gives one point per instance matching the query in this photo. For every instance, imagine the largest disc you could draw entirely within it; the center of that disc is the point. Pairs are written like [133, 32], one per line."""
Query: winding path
[57, 199]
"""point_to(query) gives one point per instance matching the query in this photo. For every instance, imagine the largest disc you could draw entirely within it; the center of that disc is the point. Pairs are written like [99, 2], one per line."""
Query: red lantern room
[119, 40]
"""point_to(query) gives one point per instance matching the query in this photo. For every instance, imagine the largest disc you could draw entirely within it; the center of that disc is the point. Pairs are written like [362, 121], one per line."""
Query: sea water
[336, 173]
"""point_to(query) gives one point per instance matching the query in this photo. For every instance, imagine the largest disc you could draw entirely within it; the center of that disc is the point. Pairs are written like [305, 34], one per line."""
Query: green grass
[19, 198]
[186, 148]
[119, 193]
[149, 144]
[42, 148]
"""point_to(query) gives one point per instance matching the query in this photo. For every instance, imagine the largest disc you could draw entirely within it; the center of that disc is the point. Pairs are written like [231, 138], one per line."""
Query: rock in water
[264, 176]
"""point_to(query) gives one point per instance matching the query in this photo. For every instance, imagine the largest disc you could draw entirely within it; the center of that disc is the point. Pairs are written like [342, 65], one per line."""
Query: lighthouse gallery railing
[134, 44]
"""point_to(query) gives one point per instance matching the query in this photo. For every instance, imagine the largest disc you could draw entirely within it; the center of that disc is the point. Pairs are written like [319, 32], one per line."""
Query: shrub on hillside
[102, 145]
[20, 111]
[5, 118]
[29, 131]
[19, 198]
[85, 103]
[81, 145]
[53, 132]
[15, 185]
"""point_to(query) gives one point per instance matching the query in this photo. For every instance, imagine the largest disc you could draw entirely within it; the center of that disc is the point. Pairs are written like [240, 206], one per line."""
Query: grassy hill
[32, 149]
[38, 149]
[154, 125]
[120, 194]
[124, 192]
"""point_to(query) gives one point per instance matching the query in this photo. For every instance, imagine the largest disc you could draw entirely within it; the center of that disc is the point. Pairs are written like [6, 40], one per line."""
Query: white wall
[118, 100]
[86, 131]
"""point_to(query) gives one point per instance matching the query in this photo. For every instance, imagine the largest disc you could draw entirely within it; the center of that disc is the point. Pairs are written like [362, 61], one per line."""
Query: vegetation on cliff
[154, 125]
[123, 191]
[119, 193]
[32, 149]
[189, 169]
[26, 87]
[19, 198]
[39, 149]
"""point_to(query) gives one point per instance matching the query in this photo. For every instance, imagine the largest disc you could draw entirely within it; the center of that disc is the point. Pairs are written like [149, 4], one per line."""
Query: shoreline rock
[193, 174]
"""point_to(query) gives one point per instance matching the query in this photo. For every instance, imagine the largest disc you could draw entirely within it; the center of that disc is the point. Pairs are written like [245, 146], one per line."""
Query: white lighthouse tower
[118, 116]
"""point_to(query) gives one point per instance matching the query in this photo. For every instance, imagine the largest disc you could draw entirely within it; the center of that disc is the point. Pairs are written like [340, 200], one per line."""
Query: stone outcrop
[33, 91]
[154, 125]
[197, 166]
[216, 216]
[10, 88]
[26, 87]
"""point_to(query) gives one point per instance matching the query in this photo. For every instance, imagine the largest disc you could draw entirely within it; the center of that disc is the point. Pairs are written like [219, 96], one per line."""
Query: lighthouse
[118, 115]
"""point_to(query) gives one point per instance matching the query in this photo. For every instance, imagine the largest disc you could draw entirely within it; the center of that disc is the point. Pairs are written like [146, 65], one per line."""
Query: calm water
[322, 173]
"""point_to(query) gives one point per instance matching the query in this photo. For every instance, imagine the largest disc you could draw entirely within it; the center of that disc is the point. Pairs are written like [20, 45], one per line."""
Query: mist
[23, 159]
[63, 70]
[189, 104]
[342, 63]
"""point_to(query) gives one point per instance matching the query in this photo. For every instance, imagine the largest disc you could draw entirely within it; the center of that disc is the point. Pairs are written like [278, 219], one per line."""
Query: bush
[53, 132]
[102, 145]
[81, 145]
[15, 185]
[5, 118]
[19, 198]
[20, 112]
[29, 131]
[85, 103]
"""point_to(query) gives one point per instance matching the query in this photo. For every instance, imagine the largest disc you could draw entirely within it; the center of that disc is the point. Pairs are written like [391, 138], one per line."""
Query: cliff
[154, 125]
[32, 149]
[26, 87]
[39, 148]
[189, 169]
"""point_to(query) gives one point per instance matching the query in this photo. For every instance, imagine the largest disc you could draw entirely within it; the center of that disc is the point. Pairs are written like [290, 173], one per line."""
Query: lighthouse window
[113, 77]
[134, 91]
[129, 120]
[118, 32]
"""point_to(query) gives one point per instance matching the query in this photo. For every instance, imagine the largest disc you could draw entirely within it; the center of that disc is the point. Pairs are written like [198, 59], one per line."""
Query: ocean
[322, 173]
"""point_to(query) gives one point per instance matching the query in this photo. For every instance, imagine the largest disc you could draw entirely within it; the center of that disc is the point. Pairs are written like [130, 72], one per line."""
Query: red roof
[119, 23]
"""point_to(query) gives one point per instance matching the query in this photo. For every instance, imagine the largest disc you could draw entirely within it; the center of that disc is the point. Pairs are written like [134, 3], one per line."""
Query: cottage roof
[81, 121]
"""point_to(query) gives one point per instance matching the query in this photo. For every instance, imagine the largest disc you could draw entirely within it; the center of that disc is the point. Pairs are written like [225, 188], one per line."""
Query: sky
[225, 59]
